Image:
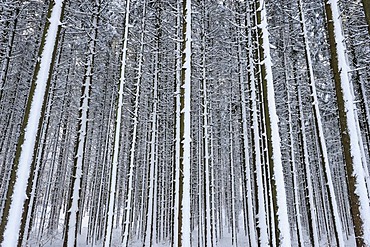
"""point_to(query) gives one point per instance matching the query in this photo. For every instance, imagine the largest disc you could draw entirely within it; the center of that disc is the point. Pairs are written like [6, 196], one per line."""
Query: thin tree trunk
[73, 207]
[117, 135]
[184, 229]
[279, 201]
[133, 153]
[150, 239]
[177, 135]
[206, 138]
[234, 235]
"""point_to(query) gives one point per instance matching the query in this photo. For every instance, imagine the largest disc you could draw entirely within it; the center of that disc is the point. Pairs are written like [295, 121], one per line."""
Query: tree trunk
[73, 208]
[117, 135]
[24, 163]
[279, 202]
[184, 230]
[358, 194]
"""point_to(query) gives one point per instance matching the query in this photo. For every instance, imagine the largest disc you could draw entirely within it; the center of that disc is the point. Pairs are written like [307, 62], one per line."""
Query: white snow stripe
[283, 220]
[186, 160]
[12, 229]
[117, 133]
[352, 124]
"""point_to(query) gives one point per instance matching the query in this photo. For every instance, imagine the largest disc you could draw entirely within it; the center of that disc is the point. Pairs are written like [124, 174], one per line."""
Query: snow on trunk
[321, 137]
[311, 199]
[248, 177]
[176, 206]
[32, 197]
[262, 224]
[185, 130]
[31, 130]
[206, 163]
[278, 176]
[73, 211]
[152, 200]
[206, 138]
[234, 234]
[129, 200]
[351, 124]
[117, 135]
[212, 184]
[261, 210]
[130, 190]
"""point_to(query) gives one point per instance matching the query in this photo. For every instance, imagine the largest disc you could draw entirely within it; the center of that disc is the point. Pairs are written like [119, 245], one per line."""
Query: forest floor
[225, 241]
[56, 240]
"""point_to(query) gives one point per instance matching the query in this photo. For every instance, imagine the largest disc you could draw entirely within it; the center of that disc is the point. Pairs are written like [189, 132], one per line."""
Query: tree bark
[24, 162]
[357, 191]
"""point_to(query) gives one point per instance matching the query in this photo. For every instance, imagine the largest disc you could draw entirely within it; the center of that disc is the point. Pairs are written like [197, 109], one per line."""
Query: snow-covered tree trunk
[24, 163]
[233, 219]
[151, 214]
[206, 136]
[72, 214]
[354, 160]
[176, 235]
[262, 232]
[251, 225]
[282, 232]
[129, 209]
[265, 187]
[184, 231]
[212, 184]
[117, 134]
[200, 203]
[29, 212]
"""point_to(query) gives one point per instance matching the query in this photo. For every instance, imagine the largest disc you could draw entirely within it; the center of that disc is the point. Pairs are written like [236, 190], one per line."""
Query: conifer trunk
[21, 177]
[184, 229]
[278, 194]
[117, 135]
[357, 191]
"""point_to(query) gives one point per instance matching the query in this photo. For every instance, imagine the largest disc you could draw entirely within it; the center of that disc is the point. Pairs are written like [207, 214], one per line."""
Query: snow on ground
[56, 240]
[225, 241]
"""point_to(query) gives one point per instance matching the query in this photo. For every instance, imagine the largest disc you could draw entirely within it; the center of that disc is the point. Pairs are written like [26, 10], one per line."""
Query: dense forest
[185, 123]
